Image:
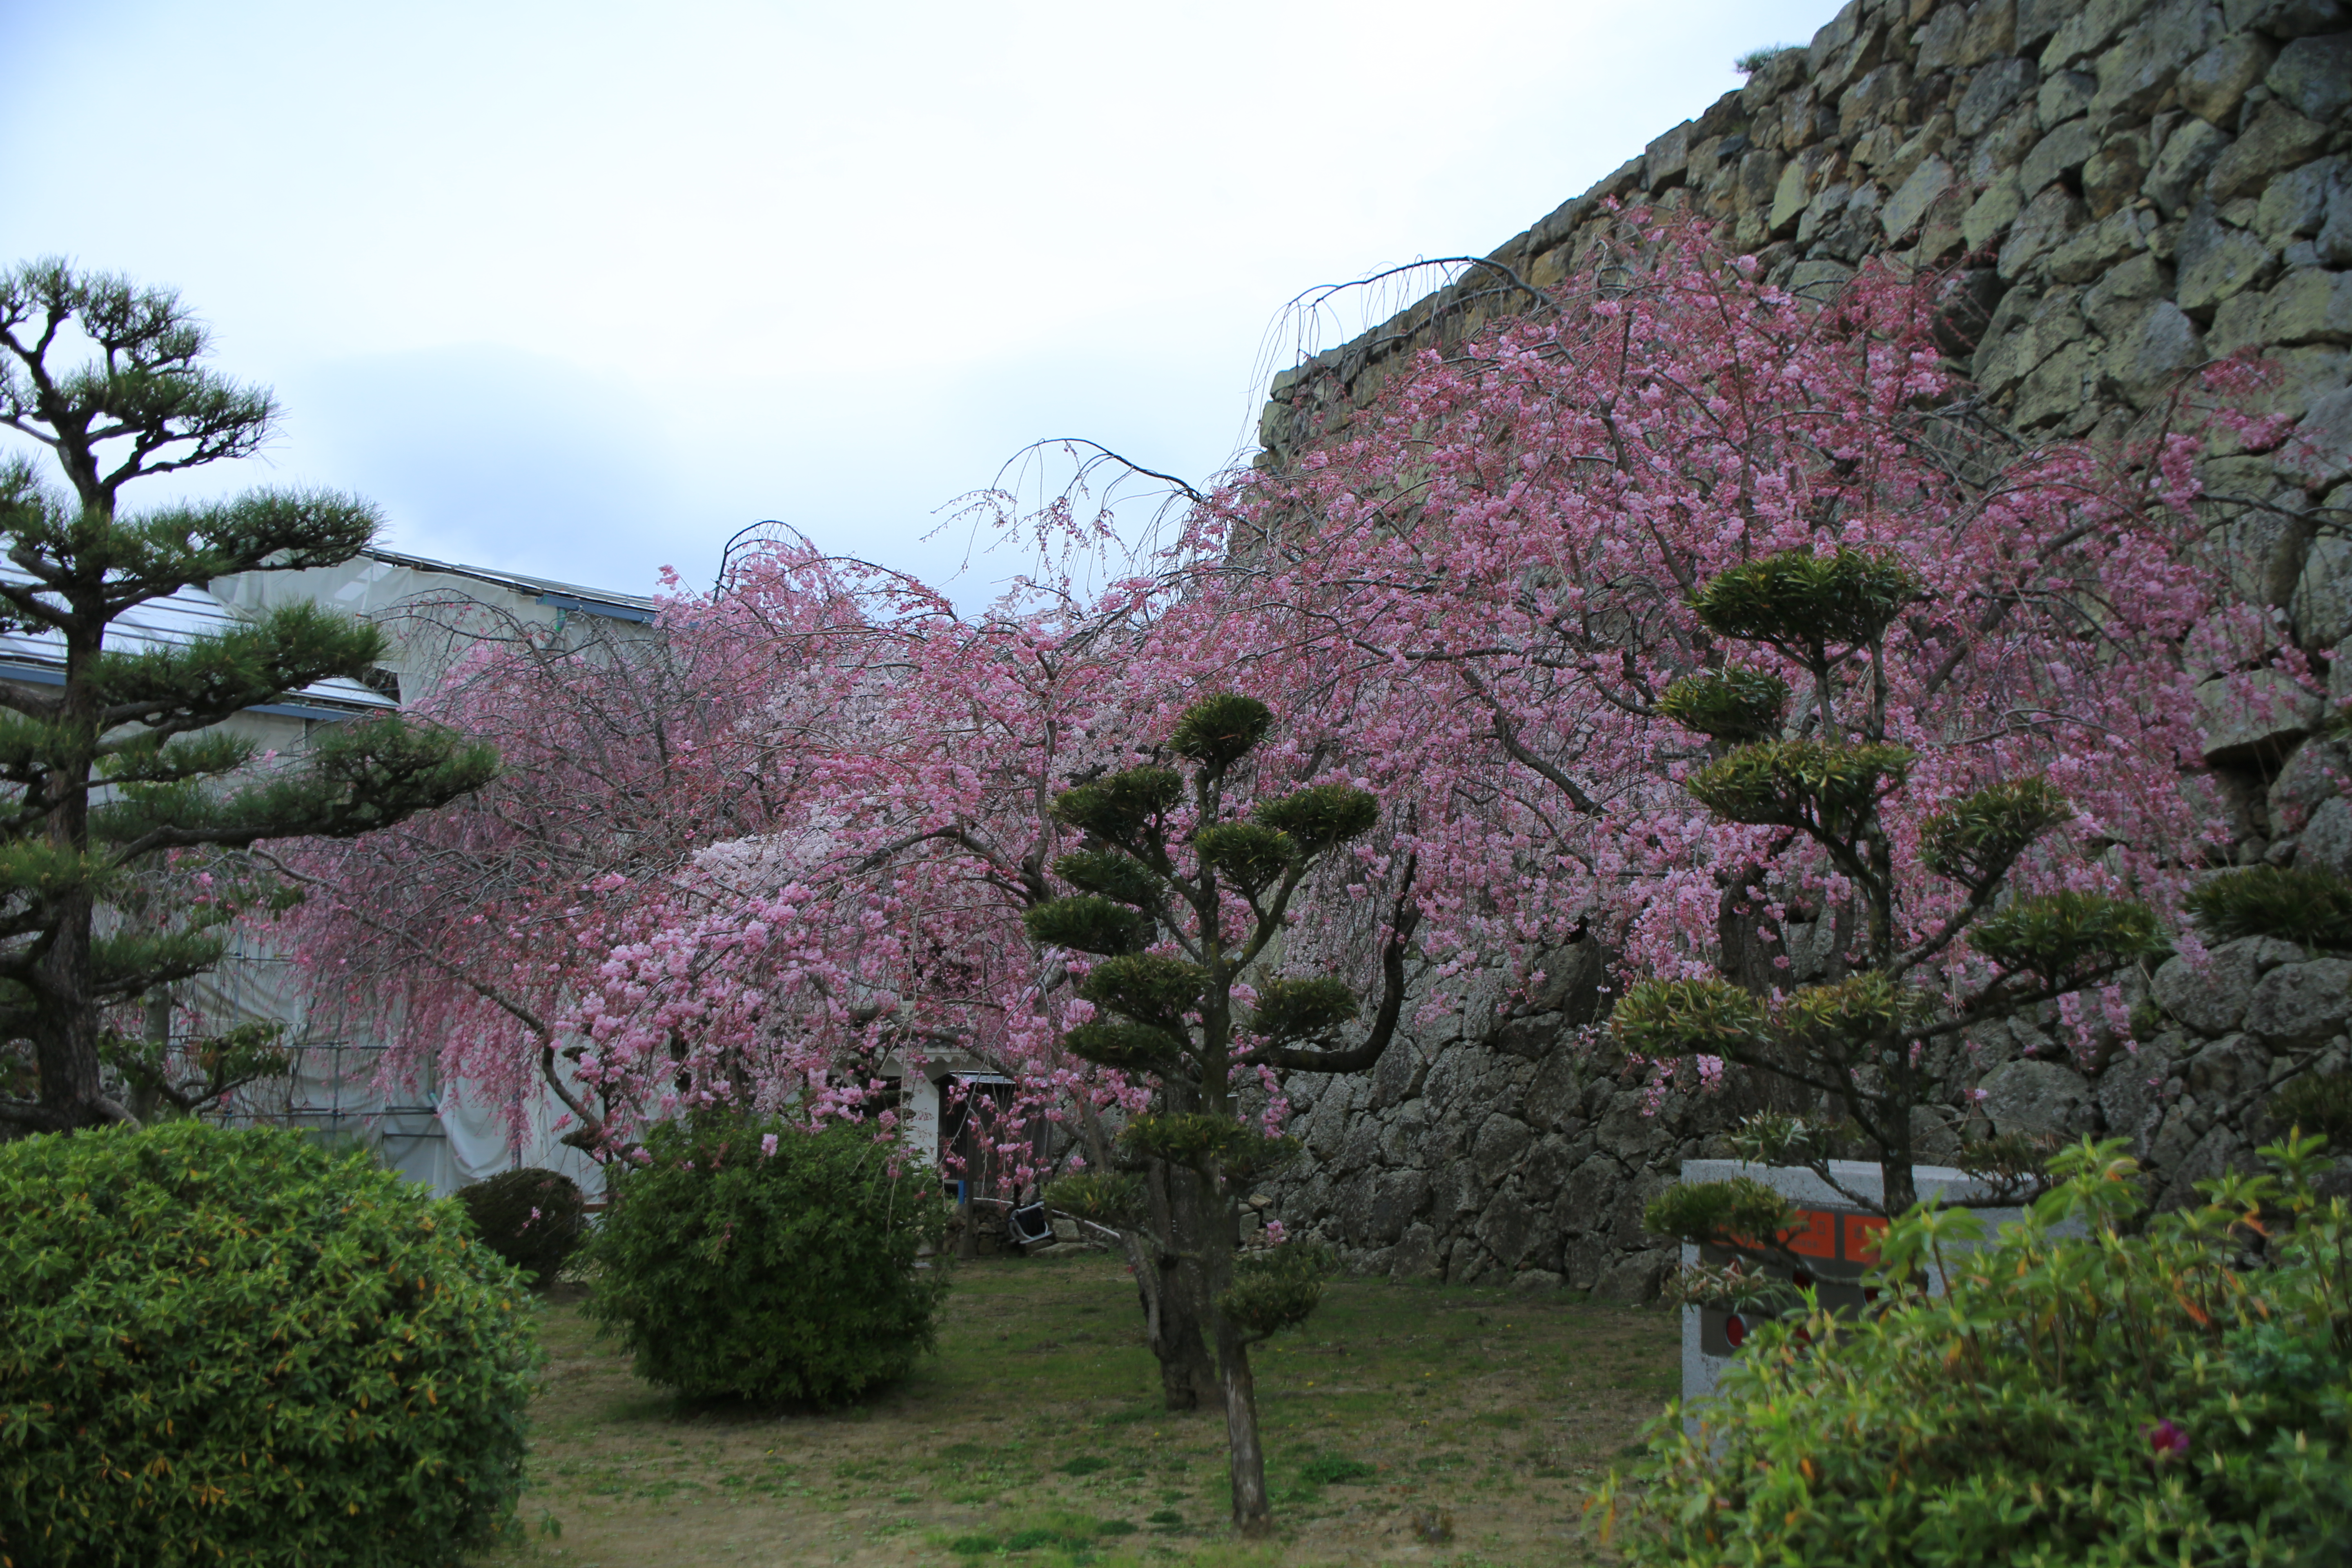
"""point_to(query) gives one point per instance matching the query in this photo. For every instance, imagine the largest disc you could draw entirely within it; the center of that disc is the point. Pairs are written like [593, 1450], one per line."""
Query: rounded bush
[534, 1219]
[232, 1347]
[2092, 1388]
[766, 1262]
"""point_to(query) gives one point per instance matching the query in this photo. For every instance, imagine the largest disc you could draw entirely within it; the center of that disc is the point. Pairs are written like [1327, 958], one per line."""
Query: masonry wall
[2128, 189]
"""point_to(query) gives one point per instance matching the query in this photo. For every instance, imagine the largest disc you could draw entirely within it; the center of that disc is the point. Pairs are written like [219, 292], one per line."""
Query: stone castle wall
[2129, 188]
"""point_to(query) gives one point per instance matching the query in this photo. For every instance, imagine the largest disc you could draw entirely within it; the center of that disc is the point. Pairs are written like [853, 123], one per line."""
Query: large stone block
[1991, 93]
[2040, 228]
[2314, 76]
[1508, 1228]
[2112, 179]
[2059, 390]
[2319, 457]
[2299, 1005]
[1875, 100]
[2226, 1071]
[1929, 184]
[1634, 1281]
[2036, 1097]
[1417, 1256]
[2090, 30]
[2212, 998]
[2309, 306]
[2254, 716]
[2136, 71]
[2181, 163]
[2278, 139]
[2089, 252]
[1995, 209]
[2295, 203]
[2322, 605]
[2320, 771]
[2149, 356]
[1991, 32]
[2059, 152]
[2287, 18]
[1501, 1143]
[2213, 85]
[2217, 261]
[1591, 1194]
[2327, 844]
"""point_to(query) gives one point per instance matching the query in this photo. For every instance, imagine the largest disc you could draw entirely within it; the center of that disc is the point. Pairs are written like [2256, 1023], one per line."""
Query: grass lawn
[1403, 1423]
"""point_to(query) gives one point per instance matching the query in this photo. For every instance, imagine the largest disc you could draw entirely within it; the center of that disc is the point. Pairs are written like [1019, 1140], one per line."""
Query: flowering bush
[232, 1347]
[2085, 1393]
[769, 1262]
[533, 1218]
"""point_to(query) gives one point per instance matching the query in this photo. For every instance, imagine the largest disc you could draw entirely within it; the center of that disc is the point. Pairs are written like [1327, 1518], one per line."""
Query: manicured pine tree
[1180, 898]
[1862, 1042]
[122, 764]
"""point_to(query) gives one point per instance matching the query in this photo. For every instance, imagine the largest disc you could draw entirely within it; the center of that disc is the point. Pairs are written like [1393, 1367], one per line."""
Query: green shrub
[2317, 1103]
[2115, 1396]
[2305, 904]
[534, 1219]
[232, 1347]
[766, 1262]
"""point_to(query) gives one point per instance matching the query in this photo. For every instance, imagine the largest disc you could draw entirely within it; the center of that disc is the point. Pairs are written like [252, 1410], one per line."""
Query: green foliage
[1755, 60]
[1321, 816]
[2122, 1394]
[1122, 806]
[1200, 1141]
[1147, 987]
[1218, 732]
[1112, 1198]
[1678, 1017]
[1800, 783]
[726, 1271]
[2307, 905]
[1088, 922]
[1252, 857]
[1302, 1008]
[1275, 1288]
[1841, 1014]
[232, 1347]
[190, 1075]
[1727, 704]
[534, 1219]
[1809, 604]
[1116, 1043]
[1980, 836]
[1742, 1212]
[2317, 1103]
[1110, 874]
[2067, 938]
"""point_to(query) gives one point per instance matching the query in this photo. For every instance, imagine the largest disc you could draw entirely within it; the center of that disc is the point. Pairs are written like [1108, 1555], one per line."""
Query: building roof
[37, 658]
[546, 590]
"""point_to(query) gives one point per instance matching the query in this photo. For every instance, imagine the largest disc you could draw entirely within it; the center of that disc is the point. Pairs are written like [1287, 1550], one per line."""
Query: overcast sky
[580, 288]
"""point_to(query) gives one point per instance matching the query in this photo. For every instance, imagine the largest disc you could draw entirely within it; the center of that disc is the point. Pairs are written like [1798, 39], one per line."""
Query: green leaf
[1706, 1016]
[2067, 938]
[1251, 854]
[1302, 1007]
[1800, 600]
[2305, 904]
[1727, 704]
[1120, 806]
[1129, 1047]
[1742, 1212]
[1111, 1198]
[1975, 839]
[1801, 783]
[1278, 1288]
[1088, 923]
[1112, 873]
[1147, 987]
[1219, 730]
[1321, 816]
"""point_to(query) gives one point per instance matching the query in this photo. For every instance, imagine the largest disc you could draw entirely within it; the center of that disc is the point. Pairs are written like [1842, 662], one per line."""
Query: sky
[581, 289]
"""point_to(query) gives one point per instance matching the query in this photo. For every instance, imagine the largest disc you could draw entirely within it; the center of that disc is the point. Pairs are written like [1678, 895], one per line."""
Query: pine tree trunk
[1252, 1514]
[1188, 1378]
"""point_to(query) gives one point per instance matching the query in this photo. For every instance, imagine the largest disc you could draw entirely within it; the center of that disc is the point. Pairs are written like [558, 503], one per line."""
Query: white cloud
[581, 288]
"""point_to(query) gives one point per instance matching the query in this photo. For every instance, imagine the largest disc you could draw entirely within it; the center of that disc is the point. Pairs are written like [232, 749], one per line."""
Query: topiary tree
[1831, 776]
[534, 1219]
[1179, 896]
[232, 1346]
[120, 763]
[766, 1261]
